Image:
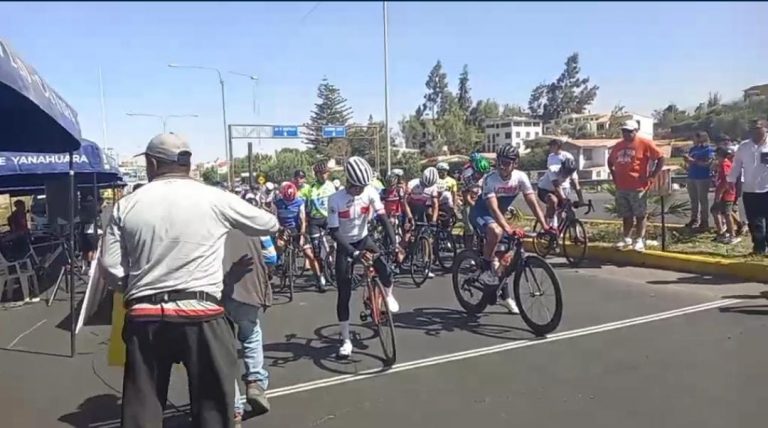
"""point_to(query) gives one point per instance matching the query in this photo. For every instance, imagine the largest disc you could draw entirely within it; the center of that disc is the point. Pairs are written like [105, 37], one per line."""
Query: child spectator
[725, 196]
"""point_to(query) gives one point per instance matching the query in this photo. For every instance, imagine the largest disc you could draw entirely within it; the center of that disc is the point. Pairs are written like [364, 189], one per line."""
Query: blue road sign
[334, 132]
[285, 132]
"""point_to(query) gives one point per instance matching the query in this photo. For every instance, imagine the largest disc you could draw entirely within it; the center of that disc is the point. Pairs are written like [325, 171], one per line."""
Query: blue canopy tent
[33, 116]
[28, 172]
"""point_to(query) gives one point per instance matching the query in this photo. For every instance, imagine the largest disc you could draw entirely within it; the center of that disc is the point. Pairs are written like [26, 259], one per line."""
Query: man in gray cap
[165, 244]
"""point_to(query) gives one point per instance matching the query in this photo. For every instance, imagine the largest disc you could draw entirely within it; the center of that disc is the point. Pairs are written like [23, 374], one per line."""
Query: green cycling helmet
[481, 165]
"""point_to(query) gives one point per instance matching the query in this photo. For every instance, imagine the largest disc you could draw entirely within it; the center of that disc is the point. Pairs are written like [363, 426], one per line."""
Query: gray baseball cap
[171, 147]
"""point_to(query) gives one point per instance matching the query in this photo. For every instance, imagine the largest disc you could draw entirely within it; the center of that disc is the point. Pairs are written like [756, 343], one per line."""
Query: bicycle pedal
[363, 316]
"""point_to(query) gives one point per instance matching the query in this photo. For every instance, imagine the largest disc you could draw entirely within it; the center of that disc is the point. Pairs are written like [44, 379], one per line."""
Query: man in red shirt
[629, 163]
[725, 197]
[17, 221]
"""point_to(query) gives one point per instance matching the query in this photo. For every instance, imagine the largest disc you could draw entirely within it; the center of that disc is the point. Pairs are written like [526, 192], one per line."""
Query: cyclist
[316, 196]
[299, 179]
[554, 188]
[422, 193]
[446, 188]
[348, 213]
[393, 197]
[292, 218]
[471, 188]
[500, 188]
[376, 183]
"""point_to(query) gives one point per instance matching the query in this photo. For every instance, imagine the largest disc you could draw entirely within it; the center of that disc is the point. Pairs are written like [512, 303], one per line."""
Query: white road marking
[26, 333]
[442, 359]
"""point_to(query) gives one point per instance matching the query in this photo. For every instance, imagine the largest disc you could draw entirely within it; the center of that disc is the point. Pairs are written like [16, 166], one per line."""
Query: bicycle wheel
[530, 297]
[575, 242]
[445, 249]
[421, 260]
[543, 245]
[291, 274]
[282, 273]
[466, 269]
[383, 322]
[300, 267]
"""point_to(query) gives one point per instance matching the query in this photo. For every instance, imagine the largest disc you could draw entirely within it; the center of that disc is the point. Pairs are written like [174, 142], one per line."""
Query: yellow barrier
[116, 350]
[747, 271]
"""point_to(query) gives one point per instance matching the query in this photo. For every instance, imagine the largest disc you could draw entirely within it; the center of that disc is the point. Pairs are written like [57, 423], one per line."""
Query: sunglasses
[505, 162]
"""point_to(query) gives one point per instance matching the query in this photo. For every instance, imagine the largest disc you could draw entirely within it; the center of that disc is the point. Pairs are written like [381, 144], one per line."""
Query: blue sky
[642, 55]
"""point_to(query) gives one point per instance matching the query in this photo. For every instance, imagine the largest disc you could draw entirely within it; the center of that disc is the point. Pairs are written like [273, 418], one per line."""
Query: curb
[748, 271]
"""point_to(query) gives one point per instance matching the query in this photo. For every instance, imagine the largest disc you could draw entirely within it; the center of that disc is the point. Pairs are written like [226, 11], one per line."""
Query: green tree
[437, 85]
[569, 94]
[714, 99]
[536, 157]
[482, 111]
[464, 97]
[668, 116]
[210, 175]
[331, 109]
[510, 110]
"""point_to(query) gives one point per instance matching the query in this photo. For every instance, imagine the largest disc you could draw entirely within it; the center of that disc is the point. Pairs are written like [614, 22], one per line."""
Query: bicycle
[570, 229]
[376, 308]
[515, 264]
[287, 268]
[418, 254]
[443, 242]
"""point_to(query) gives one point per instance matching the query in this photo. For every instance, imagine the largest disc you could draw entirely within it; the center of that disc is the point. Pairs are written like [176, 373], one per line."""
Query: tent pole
[71, 256]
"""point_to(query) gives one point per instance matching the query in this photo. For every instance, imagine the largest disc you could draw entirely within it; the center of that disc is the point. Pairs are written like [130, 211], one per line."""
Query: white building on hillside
[595, 123]
[515, 130]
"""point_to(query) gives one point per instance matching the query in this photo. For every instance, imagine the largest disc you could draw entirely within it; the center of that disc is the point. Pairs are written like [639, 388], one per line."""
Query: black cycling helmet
[299, 174]
[724, 151]
[507, 151]
[568, 167]
[320, 167]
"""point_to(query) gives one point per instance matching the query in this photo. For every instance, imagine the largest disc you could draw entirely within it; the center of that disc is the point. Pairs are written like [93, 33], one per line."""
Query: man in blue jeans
[247, 294]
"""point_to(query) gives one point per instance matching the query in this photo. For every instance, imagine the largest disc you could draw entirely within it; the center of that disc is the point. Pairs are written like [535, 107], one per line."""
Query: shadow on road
[761, 295]
[321, 350]
[103, 411]
[436, 321]
[696, 279]
[746, 310]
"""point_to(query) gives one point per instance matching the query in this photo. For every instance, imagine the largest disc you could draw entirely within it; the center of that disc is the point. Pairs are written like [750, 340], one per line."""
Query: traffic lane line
[367, 374]
[19, 337]
[649, 375]
[301, 338]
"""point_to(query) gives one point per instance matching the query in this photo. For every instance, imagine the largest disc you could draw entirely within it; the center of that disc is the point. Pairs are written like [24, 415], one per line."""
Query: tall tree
[437, 85]
[464, 97]
[482, 111]
[569, 93]
[331, 109]
[714, 99]
[510, 110]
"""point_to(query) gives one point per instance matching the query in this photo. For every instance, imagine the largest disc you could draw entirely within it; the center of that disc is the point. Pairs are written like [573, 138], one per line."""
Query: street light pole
[227, 140]
[386, 87]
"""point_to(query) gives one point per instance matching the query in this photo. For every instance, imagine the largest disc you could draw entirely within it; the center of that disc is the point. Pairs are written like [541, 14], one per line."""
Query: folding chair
[20, 271]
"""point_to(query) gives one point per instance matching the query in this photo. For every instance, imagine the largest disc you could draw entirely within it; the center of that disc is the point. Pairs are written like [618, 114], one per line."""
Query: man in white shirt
[751, 160]
[165, 244]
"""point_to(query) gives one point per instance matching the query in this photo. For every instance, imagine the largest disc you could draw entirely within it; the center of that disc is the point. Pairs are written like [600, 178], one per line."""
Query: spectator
[247, 294]
[17, 221]
[725, 195]
[90, 213]
[751, 160]
[629, 163]
[166, 245]
[725, 141]
[699, 164]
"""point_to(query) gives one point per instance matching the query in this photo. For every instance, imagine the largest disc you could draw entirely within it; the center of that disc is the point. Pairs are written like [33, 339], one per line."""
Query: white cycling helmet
[270, 186]
[429, 177]
[398, 172]
[358, 171]
[442, 166]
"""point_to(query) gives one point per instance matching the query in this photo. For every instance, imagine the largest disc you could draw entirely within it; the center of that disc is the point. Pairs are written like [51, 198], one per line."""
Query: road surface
[636, 348]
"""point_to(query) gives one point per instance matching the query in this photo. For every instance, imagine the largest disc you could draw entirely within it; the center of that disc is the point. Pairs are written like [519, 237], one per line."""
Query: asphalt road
[636, 348]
